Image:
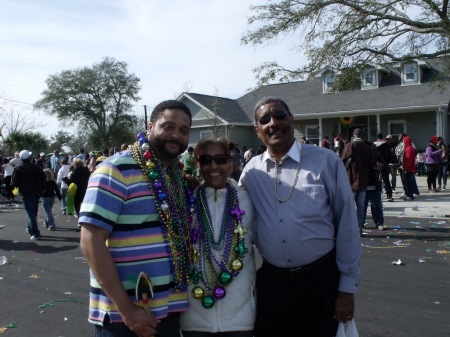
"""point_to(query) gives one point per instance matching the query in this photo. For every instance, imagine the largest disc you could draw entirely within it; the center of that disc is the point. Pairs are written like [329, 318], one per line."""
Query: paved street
[44, 284]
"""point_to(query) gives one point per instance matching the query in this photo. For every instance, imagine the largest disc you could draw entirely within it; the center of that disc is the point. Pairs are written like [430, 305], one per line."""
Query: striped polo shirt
[118, 200]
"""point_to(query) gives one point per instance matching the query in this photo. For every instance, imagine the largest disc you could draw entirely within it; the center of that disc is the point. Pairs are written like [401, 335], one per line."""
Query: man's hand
[344, 307]
[139, 321]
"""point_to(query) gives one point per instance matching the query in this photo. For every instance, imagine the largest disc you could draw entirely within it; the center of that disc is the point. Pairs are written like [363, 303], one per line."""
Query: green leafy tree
[59, 139]
[31, 141]
[349, 33]
[98, 98]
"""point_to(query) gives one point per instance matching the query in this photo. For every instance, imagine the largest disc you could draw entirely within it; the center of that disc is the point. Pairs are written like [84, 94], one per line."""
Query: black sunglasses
[220, 159]
[278, 115]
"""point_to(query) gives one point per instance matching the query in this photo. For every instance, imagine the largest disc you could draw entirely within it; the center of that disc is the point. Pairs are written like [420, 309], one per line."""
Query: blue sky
[169, 45]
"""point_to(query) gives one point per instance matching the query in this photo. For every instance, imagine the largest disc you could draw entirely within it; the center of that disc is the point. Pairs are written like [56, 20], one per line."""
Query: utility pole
[145, 113]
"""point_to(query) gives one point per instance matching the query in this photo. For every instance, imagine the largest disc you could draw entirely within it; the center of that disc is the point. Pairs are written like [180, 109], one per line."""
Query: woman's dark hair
[200, 147]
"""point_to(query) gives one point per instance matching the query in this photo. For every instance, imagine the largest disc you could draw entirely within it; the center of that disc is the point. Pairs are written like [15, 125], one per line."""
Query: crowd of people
[43, 178]
[187, 221]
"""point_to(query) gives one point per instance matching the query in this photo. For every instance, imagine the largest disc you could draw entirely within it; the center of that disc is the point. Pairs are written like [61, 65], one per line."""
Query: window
[369, 77]
[410, 72]
[312, 133]
[328, 81]
[396, 127]
[206, 135]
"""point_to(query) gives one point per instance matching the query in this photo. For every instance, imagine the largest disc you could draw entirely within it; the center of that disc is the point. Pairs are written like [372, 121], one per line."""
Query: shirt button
[281, 220]
[284, 241]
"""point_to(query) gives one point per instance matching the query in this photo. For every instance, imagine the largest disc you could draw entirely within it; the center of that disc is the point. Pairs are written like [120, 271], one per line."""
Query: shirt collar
[293, 153]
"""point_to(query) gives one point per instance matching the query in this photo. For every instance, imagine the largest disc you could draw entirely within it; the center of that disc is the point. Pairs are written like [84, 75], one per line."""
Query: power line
[12, 100]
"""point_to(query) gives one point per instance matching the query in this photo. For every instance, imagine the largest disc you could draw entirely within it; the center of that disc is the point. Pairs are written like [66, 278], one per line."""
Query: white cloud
[165, 43]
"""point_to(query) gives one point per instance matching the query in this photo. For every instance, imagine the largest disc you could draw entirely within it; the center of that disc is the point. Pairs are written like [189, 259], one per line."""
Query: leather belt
[299, 271]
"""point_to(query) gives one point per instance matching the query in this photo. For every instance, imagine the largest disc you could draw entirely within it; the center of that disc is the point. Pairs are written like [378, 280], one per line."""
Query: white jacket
[237, 310]
[62, 173]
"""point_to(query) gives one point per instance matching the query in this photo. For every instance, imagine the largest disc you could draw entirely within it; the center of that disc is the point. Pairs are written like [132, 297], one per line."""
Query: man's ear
[257, 130]
[149, 129]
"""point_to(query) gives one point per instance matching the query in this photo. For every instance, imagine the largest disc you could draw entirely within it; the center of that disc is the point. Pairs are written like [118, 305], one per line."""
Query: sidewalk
[426, 205]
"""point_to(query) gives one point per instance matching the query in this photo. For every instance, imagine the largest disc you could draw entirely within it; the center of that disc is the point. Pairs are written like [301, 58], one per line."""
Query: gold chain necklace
[295, 179]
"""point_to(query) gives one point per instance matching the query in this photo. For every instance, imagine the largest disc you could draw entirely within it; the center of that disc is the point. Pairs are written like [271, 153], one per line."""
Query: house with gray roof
[393, 99]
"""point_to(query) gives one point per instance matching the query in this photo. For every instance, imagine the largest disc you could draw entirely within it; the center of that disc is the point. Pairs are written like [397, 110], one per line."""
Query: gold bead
[150, 165]
[236, 265]
[198, 292]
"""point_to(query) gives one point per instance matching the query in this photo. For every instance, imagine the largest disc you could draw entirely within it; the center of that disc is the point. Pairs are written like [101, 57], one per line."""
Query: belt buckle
[294, 271]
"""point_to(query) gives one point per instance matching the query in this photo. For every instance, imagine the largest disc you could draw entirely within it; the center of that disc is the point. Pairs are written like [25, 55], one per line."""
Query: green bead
[240, 250]
[153, 174]
[208, 302]
[225, 278]
[195, 275]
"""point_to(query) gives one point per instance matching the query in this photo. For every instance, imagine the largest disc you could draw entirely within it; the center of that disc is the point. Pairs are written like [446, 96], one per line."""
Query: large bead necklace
[174, 202]
[216, 273]
[295, 179]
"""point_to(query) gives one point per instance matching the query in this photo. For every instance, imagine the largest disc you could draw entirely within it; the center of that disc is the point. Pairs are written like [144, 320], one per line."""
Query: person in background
[433, 155]
[112, 151]
[55, 162]
[63, 173]
[48, 199]
[248, 155]
[189, 162]
[135, 218]
[42, 161]
[92, 160]
[338, 144]
[409, 169]
[420, 163]
[87, 159]
[358, 159]
[326, 143]
[307, 231]
[15, 162]
[373, 193]
[261, 150]
[393, 166]
[222, 300]
[383, 155]
[443, 171]
[8, 170]
[236, 158]
[123, 147]
[71, 191]
[79, 177]
[30, 179]
[80, 155]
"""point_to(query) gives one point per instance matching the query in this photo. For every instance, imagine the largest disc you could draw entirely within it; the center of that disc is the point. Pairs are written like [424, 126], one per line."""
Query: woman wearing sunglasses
[221, 292]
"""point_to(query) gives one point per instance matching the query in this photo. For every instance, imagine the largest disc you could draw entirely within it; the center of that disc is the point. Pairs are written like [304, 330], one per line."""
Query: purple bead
[157, 184]
[219, 292]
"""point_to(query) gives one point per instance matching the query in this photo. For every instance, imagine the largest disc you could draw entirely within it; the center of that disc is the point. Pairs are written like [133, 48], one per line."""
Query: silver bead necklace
[295, 179]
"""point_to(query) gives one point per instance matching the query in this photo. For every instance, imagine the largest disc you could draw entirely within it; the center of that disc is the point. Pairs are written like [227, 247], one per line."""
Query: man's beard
[158, 145]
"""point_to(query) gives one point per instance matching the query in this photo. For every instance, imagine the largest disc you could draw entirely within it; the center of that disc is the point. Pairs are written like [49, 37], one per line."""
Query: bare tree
[349, 33]
[15, 118]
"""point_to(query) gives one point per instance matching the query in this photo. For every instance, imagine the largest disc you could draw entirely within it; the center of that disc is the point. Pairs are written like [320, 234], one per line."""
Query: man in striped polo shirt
[134, 219]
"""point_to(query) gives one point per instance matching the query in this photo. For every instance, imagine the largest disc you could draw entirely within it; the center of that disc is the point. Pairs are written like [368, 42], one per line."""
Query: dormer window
[410, 72]
[329, 81]
[369, 78]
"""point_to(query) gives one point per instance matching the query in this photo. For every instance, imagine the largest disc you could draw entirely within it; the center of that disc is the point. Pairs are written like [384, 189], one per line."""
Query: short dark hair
[270, 99]
[379, 135]
[171, 105]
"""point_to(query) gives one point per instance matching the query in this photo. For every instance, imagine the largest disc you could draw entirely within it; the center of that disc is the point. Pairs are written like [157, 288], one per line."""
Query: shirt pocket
[313, 191]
